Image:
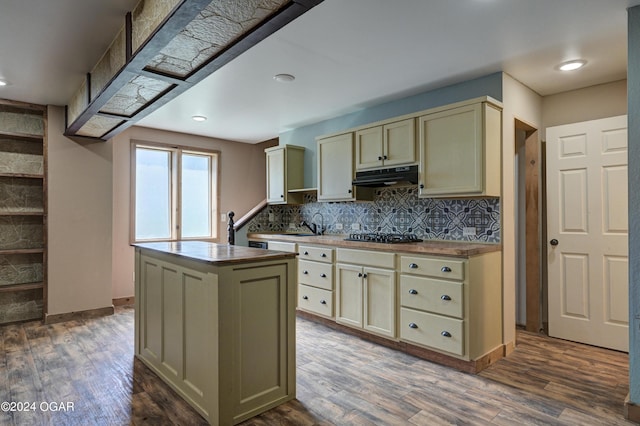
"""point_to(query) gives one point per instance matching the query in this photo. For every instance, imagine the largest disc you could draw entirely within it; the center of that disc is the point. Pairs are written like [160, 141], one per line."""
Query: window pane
[196, 196]
[153, 194]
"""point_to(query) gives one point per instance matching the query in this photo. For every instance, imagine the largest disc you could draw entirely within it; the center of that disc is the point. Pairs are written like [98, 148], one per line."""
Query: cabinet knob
[413, 266]
[445, 297]
[421, 186]
[305, 297]
[384, 157]
[553, 242]
[305, 272]
[413, 325]
[323, 275]
[364, 276]
[359, 274]
[413, 291]
[350, 191]
[282, 196]
[445, 334]
[445, 269]
[323, 302]
[306, 253]
[379, 158]
[323, 255]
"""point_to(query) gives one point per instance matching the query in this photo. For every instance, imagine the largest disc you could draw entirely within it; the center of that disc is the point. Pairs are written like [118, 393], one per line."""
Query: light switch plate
[271, 219]
[469, 231]
[223, 217]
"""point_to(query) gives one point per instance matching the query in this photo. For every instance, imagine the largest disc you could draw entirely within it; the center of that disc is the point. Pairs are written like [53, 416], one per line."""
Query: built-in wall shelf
[304, 190]
[23, 211]
[21, 287]
[21, 136]
[22, 175]
[21, 251]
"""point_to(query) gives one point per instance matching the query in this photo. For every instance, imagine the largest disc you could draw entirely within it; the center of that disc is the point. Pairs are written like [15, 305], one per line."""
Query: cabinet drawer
[364, 257]
[315, 300]
[428, 294]
[436, 331]
[282, 246]
[319, 254]
[315, 274]
[433, 267]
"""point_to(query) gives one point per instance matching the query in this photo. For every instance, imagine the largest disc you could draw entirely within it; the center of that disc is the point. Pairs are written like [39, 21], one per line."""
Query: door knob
[553, 242]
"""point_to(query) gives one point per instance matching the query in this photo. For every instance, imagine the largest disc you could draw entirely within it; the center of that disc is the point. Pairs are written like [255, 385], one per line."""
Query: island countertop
[427, 247]
[215, 254]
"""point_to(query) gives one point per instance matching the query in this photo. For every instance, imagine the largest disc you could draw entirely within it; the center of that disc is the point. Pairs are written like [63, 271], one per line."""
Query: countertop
[442, 248]
[215, 254]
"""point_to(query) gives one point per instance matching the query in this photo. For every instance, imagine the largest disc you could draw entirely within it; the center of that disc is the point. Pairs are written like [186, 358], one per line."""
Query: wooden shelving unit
[23, 195]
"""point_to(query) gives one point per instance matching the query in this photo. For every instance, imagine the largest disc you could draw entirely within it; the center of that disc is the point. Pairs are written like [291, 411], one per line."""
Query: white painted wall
[79, 221]
[523, 104]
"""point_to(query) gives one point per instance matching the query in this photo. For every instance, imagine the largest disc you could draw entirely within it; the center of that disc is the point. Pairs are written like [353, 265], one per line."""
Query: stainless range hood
[386, 177]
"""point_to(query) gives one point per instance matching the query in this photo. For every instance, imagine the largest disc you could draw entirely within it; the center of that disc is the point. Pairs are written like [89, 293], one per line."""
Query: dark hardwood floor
[87, 367]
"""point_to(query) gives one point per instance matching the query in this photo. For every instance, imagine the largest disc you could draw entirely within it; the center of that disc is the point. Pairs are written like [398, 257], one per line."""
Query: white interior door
[587, 232]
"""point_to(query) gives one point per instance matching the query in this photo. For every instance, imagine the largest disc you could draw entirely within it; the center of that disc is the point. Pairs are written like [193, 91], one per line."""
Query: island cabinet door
[259, 358]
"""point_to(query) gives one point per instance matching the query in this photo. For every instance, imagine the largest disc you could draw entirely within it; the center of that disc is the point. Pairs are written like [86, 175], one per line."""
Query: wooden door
[380, 301]
[400, 143]
[451, 151]
[349, 294]
[587, 232]
[369, 148]
[276, 176]
[335, 168]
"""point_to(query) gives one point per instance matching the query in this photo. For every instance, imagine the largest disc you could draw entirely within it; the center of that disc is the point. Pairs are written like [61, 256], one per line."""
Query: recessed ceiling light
[572, 65]
[284, 78]
[199, 118]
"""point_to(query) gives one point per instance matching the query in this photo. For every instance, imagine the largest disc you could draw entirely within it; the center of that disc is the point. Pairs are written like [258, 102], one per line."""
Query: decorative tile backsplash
[394, 210]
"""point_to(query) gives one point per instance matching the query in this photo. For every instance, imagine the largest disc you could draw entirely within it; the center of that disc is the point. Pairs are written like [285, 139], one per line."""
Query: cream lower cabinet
[365, 294]
[452, 305]
[315, 280]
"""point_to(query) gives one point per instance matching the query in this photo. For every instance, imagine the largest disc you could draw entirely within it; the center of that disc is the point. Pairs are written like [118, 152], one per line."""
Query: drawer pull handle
[413, 266]
[305, 272]
[413, 325]
[445, 334]
[305, 297]
[323, 275]
[323, 254]
[306, 253]
[413, 291]
[445, 297]
[445, 269]
[324, 302]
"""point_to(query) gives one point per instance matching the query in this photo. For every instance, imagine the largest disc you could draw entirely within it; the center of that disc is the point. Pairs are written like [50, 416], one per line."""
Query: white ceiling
[346, 55]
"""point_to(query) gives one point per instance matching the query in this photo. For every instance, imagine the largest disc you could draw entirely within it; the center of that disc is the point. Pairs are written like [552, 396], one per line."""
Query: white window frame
[175, 190]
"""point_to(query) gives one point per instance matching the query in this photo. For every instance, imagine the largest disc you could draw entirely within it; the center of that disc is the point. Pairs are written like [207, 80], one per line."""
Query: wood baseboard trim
[509, 347]
[631, 410]
[70, 316]
[124, 301]
[472, 367]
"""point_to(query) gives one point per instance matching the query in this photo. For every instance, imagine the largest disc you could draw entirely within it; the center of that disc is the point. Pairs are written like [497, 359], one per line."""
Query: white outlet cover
[469, 231]
[355, 226]
[338, 226]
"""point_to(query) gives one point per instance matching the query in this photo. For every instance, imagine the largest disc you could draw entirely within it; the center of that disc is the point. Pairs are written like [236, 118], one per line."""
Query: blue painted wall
[490, 85]
[633, 99]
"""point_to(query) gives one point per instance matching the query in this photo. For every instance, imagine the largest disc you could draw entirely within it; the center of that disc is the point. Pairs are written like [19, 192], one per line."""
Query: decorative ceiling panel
[135, 95]
[98, 126]
[147, 16]
[112, 62]
[217, 26]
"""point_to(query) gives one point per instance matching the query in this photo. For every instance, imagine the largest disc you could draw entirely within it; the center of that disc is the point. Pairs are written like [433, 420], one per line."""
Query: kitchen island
[217, 323]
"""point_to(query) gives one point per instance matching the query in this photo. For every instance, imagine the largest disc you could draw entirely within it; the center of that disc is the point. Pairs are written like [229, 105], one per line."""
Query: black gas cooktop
[376, 237]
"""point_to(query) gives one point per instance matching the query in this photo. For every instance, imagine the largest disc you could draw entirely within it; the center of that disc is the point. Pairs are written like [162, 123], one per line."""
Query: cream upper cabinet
[335, 170]
[284, 172]
[386, 145]
[460, 151]
[366, 295]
